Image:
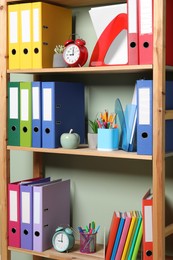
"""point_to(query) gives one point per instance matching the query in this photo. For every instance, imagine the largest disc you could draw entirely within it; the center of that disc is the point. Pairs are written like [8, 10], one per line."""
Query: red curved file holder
[119, 23]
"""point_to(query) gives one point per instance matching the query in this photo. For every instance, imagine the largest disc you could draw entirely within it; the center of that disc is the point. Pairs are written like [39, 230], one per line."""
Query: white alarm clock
[63, 240]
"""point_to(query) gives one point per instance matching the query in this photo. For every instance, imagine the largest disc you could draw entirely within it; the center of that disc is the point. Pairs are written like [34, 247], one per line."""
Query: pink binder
[132, 32]
[14, 238]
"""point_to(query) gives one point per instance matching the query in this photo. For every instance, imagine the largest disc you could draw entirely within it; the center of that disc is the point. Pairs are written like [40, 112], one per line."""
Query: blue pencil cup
[108, 139]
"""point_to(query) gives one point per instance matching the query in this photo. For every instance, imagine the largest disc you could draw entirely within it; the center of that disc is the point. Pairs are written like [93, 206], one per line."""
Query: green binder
[25, 114]
[14, 113]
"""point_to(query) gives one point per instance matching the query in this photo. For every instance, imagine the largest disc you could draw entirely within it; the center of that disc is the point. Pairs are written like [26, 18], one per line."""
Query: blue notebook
[118, 236]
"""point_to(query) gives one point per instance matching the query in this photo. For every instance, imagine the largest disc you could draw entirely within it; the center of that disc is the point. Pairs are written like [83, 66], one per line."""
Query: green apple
[70, 140]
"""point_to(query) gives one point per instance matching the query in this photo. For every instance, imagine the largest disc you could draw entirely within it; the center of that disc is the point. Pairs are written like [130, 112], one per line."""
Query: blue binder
[26, 211]
[145, 117]
[36, 114]
[62, 109]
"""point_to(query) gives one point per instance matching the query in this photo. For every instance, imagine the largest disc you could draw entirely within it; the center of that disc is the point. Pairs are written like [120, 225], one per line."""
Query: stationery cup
[108, 139]
[87, 243]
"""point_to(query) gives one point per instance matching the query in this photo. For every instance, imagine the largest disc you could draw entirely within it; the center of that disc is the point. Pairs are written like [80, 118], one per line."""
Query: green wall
[98, 185]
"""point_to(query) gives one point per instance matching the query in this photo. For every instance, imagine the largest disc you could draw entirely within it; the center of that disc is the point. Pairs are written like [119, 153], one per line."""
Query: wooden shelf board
[84, 151]
[74, 254]
[87, 70]
[74, 3]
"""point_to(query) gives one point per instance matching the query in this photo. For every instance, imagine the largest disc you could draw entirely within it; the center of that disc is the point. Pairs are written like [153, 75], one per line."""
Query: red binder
[14, 212]
[147, 203]
[145, 19]
[132, 32]
[112, 234]
[169, 32]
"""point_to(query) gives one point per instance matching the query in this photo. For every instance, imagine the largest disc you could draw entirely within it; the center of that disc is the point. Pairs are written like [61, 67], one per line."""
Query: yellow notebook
[52, 25]
[129, 235]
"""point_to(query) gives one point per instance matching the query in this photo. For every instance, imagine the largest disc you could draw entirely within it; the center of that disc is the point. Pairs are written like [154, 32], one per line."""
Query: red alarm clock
[75, 53]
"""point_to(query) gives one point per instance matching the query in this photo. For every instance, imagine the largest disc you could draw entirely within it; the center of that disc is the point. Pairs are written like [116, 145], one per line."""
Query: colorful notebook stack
[125, 236]
[39, 112]
[32, 214]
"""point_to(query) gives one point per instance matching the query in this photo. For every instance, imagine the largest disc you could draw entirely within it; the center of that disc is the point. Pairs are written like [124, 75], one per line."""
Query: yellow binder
[13, 36]
[52, 25]
[25, 36]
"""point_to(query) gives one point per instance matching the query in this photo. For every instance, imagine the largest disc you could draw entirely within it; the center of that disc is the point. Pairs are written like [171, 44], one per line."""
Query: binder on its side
[112, 233]
[25, 36]
[132, 10]
[36, 114]
[45, 32]
[26, 212]
[14, 213]
[147, 204]
[145, 18]
[118, 236]
[14, 113]
[14, 36]
[62, 109]
[51, 206]
[25, 114]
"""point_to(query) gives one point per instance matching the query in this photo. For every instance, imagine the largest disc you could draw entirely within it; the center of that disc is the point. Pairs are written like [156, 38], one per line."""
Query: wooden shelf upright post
[4, 154]
[159, 130]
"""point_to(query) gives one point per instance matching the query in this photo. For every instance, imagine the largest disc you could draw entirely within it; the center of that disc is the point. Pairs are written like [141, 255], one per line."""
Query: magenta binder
[14, 213]
[51, 208]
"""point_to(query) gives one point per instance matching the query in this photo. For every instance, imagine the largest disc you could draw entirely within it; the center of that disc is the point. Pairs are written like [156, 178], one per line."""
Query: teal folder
[25, 114]
[14, 113]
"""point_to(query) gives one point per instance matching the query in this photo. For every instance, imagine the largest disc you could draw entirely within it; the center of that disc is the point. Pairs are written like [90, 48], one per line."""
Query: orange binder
[147, 203]
[132, 32]
[112, 234]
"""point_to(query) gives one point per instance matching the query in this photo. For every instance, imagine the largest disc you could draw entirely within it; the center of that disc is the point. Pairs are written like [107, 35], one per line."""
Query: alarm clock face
[61, 242]
[71, 54]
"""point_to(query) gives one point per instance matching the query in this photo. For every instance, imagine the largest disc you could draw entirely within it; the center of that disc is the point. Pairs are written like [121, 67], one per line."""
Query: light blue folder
[127, 123]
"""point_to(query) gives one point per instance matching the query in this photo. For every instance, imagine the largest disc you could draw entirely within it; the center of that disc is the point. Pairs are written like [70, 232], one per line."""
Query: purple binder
[51, 208]
[26, 211]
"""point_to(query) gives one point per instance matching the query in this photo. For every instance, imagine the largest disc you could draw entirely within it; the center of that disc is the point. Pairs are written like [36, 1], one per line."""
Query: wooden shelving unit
[158, 158]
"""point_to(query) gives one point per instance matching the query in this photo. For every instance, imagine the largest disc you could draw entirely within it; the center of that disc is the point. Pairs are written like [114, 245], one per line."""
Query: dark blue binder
[63, 108]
